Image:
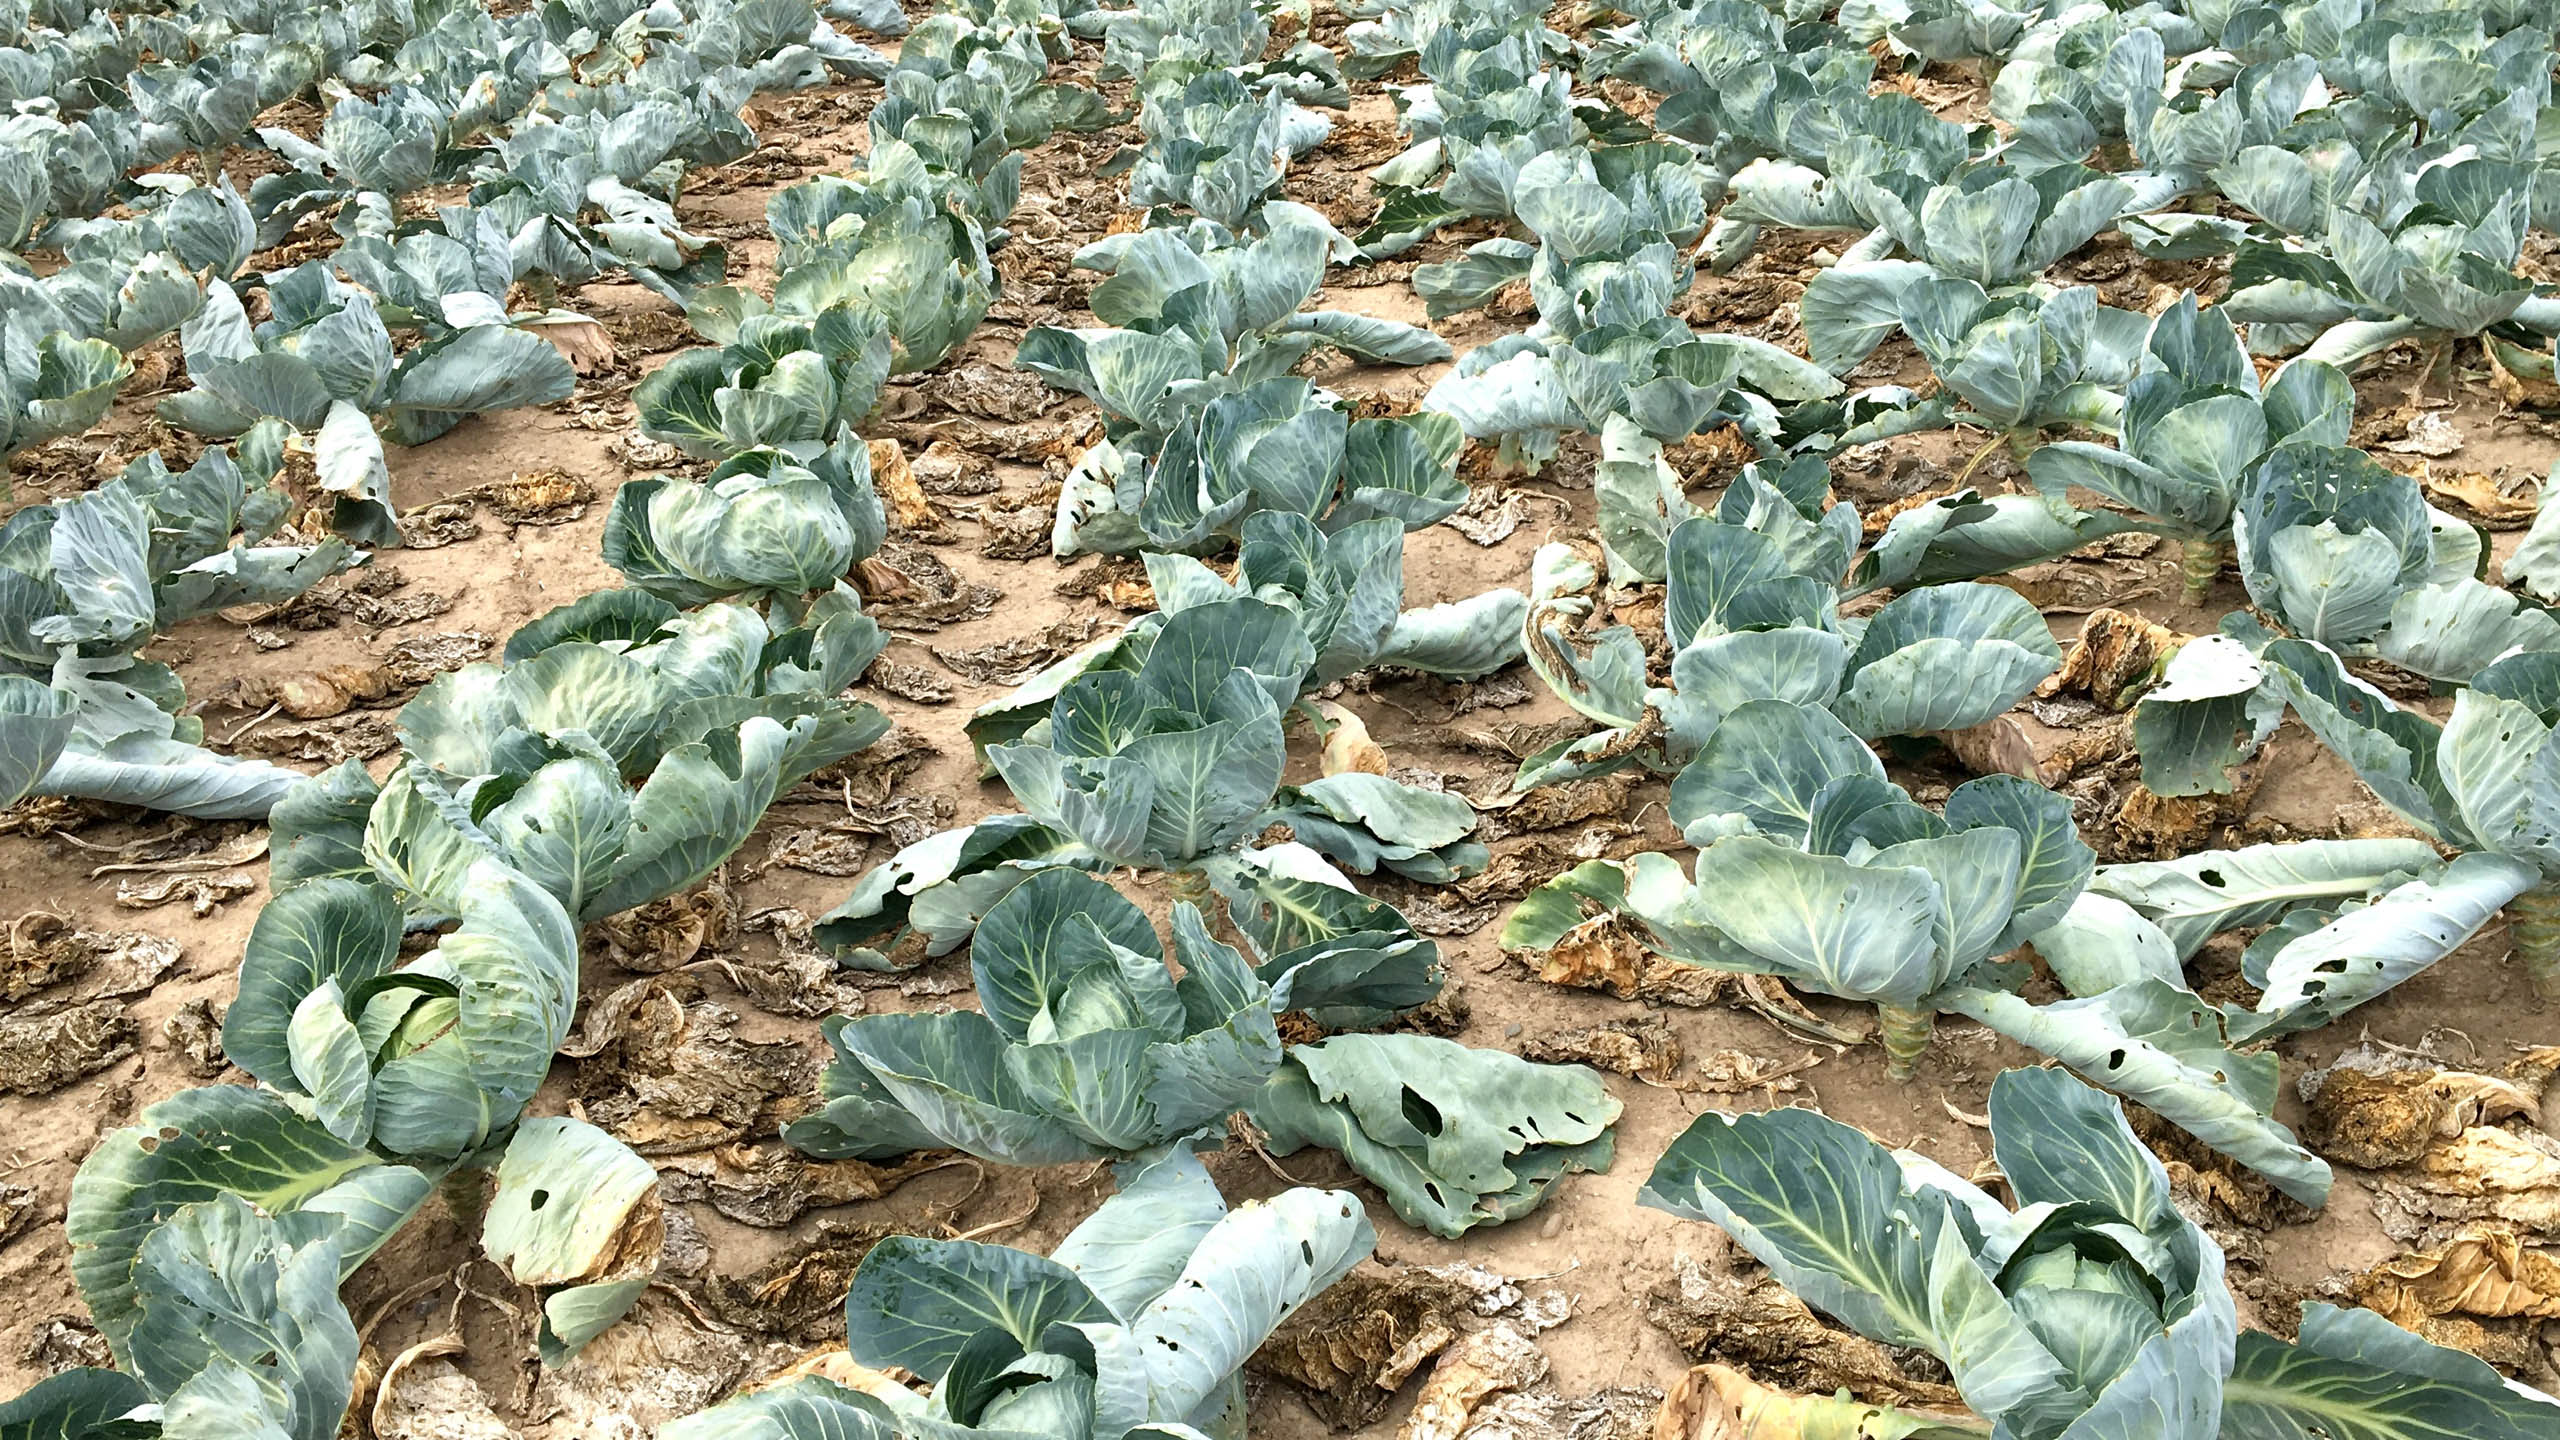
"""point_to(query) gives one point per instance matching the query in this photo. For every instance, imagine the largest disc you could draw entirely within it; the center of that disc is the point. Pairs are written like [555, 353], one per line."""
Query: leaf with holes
[1457, 1137]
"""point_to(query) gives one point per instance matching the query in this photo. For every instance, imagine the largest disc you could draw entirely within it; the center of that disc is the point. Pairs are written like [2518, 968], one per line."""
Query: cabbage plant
[1456, 1137]
[2095, 1308]
[1990, 226]
[1136, 1327]
[774, 381]
[778, 44]
[1192, 311]
[104, 571]
[2435, 263]
[113, 730]
[1852, 138]
[890, 254]
[2093, 1303]
[370, 154]
[1218, 149]
[2346, 922]
[435, 280]
[968, 98]
[1348, 590]
[1789, 809]
[1612, 225]
[1740, 81]
[379, 1079]
[1084, 1046]
[2198, 428]
[2338, 550]
[326, 344]
[577, 200]
[63, 171]
[1202, 422]
[622, 752]
[207, 105]
[1267, 448]
[1752, 617]
[763, 525]
[1174, 761]
[129, 282]
[1164, 44]
[54, 383]
[1815, 868]
[1979, 30]
[2460, 782]
[1163, 748]
[2021, 361]
[1488, 107]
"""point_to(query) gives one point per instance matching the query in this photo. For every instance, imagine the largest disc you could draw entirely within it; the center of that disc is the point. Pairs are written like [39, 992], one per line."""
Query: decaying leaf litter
[697, 1043]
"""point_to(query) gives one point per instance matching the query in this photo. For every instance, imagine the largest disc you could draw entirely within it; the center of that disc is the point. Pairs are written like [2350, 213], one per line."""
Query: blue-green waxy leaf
[331, 1065]
[317, 828]
[2054, 863]
[858, 1118]
[1856, 931]
[918, 1302]
[1832, 1214]
[514, 963]
[809, 1408]
[205, 1143]
[2355, 1376]
[950, 1072]
[1765, 763]
[574, 1208]
[237, 1305]
[327, 931]
[1456, 1137]
[2316, 978]
[1031, 943]
[2062, 1143]
[1252, 1270]
[2157, 1044]
[85, 1403]
[2395, 752]
[2101, 943]
[1131, 1249]
[2198, 896]
[36, 721]
[2211, 710]
[1947, 657]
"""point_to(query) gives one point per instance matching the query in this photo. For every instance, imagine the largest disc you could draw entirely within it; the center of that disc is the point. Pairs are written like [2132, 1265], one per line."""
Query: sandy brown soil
[731, 1054]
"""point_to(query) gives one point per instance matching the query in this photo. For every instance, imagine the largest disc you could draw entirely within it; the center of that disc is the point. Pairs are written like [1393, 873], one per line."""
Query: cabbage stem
[465, 1190]
[1906, 1036]
[2534, 920]
[2201, 561]
[1191, 885]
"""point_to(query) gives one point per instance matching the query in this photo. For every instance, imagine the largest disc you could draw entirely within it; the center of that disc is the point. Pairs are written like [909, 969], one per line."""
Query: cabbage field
[1239, 719]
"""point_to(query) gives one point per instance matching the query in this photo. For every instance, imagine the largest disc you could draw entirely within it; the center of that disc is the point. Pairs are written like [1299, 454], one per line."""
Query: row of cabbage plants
[628, 743]
[2380, 165]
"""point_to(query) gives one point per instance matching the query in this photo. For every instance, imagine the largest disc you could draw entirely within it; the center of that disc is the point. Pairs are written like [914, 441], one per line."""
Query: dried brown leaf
[1492, 1360]
[1718, 1402]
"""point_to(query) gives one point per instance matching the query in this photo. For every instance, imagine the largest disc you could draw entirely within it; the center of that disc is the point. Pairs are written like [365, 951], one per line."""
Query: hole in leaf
[2115, 1059]
[1419, 1113]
